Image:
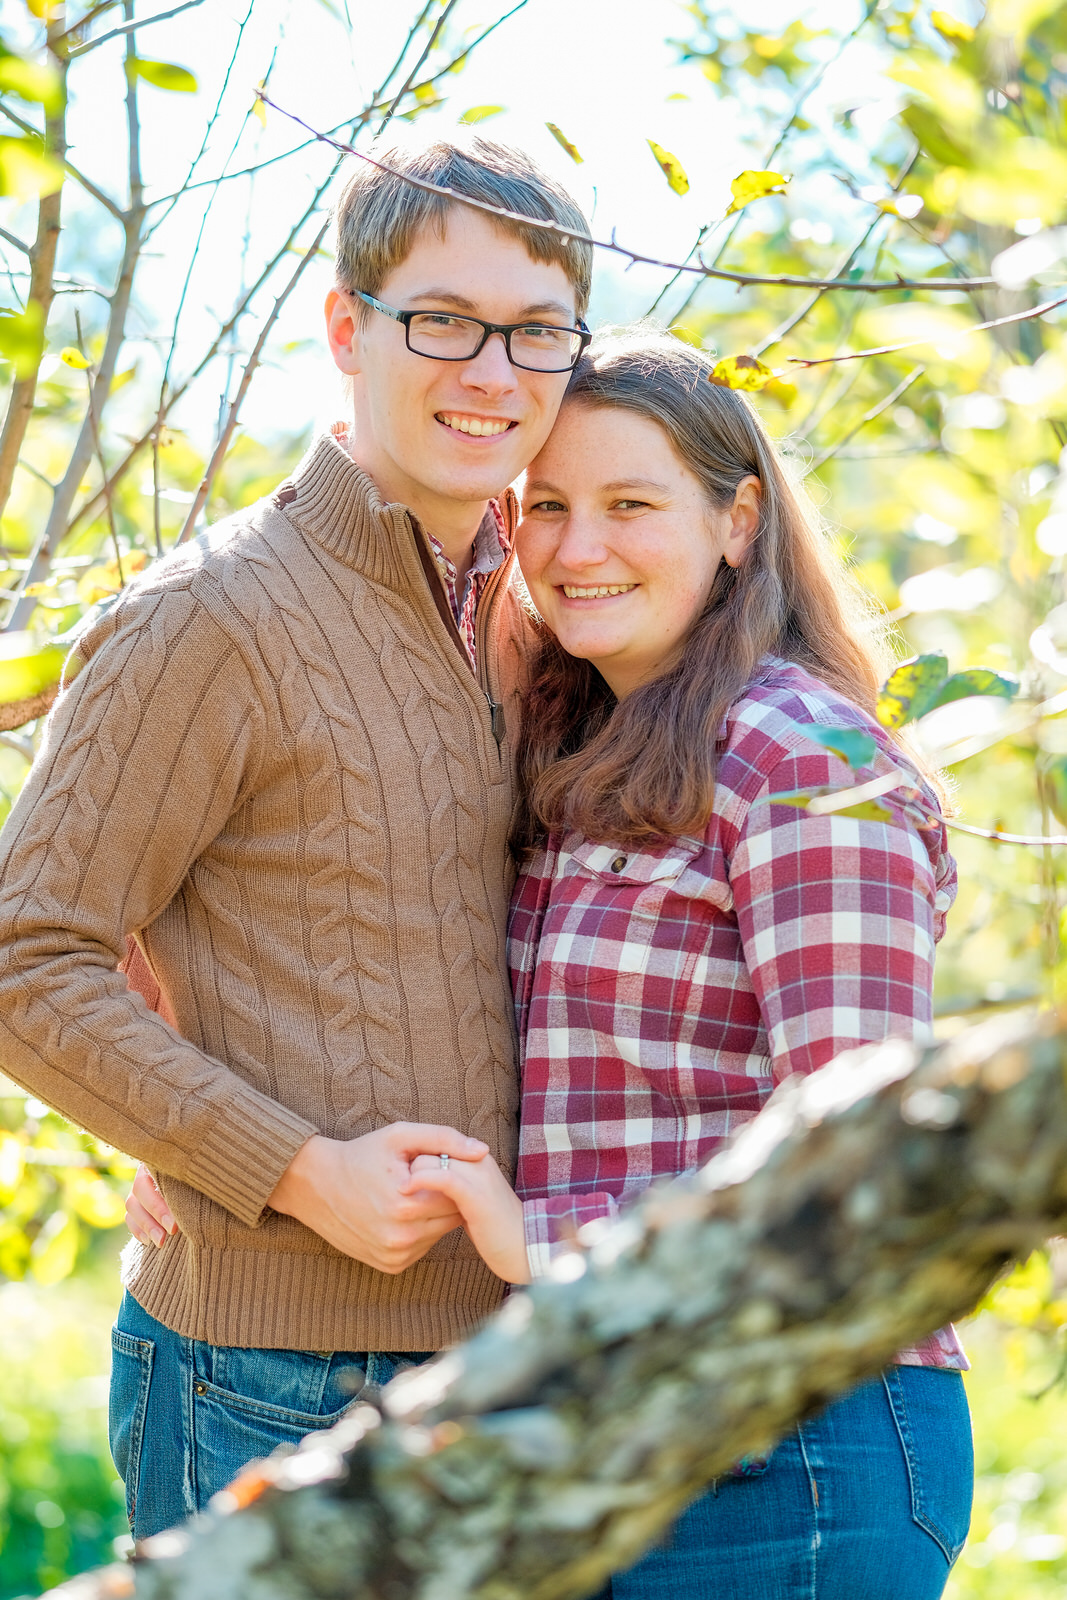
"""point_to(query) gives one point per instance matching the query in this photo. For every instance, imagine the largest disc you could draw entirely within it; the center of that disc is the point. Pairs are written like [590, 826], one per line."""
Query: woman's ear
[744, 519]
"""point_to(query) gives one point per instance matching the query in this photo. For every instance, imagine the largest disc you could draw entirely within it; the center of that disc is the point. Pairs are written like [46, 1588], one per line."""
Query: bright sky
[603, 70]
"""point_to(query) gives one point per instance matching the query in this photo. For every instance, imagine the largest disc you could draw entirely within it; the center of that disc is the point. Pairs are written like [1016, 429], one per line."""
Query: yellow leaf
[55, 1249]
[31, 81]
[561, 139]
[785, 393]
[14, 1251]
[671, 168]
[259, 109]
[26, 172]
[93, 1199]
[741, 372]
[22, 337]
[74, 358]
[425, 94]
[104, 580]
[749, 186]
[951, 28]
[480, 114]
[767, 47]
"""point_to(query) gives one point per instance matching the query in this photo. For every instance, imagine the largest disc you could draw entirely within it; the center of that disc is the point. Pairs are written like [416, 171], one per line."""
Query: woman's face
[618, 543]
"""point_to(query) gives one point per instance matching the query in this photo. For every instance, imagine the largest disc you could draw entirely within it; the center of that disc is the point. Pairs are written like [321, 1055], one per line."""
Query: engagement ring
[443, 1160]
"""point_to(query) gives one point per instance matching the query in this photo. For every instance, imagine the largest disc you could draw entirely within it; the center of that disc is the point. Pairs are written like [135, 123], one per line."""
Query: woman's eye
[629, 505]
[544, 505]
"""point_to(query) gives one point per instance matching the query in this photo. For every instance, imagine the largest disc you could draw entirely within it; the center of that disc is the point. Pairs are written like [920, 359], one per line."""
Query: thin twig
[778, 280]
[20, 744]
[99, 450]
[226, 433]
[868, 416]
[910, 344]
[128, 27]
[806, 90]
[1003, 838]
[413, 73]
[17, 244]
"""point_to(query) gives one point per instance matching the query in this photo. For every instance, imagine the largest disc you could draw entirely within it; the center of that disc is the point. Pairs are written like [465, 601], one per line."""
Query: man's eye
[437, 319]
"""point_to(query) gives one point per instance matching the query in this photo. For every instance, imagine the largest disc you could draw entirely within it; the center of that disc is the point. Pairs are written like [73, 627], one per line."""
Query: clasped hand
[383, 1199]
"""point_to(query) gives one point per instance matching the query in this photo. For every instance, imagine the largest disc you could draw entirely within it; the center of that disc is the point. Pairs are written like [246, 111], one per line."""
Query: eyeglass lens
[538, 346]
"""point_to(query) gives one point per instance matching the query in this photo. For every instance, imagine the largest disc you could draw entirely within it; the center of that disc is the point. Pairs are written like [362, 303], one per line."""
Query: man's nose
[490, 369]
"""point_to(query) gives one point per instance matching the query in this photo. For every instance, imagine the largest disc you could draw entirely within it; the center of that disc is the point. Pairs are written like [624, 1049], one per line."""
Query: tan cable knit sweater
[277, 769]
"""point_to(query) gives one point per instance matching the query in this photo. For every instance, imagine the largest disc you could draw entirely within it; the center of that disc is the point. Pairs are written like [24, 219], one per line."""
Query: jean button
[200, 1388]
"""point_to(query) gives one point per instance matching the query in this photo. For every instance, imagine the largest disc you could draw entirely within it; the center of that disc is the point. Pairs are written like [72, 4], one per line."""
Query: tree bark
[865, 1206]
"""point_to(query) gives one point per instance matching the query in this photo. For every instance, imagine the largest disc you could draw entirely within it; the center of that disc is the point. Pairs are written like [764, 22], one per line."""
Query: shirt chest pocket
[617, 919]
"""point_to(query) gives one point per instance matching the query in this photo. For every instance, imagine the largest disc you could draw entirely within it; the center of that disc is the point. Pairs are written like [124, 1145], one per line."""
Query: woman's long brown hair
[644, 767]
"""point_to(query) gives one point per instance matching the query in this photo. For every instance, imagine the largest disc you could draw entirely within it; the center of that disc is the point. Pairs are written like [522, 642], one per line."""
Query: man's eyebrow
[461, 303]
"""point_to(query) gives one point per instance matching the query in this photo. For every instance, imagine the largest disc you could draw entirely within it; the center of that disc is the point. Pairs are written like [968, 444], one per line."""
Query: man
[286, 767]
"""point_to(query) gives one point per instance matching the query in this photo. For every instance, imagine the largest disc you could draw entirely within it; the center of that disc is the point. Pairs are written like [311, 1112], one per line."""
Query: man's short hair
[378, 216]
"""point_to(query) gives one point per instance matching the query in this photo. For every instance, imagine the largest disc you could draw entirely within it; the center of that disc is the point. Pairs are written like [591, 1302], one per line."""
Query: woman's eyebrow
[635, 483]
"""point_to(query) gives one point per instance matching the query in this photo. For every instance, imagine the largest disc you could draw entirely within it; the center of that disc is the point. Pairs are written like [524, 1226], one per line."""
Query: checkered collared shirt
[661, 993]
[490, 549]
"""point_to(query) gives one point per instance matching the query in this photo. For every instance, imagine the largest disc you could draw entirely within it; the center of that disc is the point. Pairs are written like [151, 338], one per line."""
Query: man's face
[409, 408]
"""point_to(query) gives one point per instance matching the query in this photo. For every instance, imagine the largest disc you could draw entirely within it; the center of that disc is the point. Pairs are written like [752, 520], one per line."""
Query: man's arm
[144, 759]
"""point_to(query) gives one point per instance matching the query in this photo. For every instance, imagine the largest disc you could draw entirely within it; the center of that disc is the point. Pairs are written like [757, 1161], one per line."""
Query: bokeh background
[907, 142]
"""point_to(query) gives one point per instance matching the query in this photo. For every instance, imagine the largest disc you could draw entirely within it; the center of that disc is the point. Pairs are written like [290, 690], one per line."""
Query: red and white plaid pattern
[662, 993]
[490, 549]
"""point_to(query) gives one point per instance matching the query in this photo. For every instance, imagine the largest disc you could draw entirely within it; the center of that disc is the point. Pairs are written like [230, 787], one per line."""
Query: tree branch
[42, 263]
[778, 280]
[129, 27]
[865, 1206]
[435, 34]
[868, 416]
[910, 344]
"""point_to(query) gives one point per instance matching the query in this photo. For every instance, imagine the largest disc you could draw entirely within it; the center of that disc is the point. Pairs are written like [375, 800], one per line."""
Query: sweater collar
[333, 501]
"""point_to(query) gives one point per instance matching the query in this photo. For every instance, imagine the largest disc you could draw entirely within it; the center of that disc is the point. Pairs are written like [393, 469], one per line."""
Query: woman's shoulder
[767, 723]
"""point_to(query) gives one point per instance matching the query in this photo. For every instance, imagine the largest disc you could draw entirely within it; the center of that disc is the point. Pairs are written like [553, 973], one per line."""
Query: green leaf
[32, 81]
[854, 747]
[975, 681]
[22, 338]
[749, 186]
[27, 669]
[480, 114]
[671, 168]
[741, 372]
[163, 75]
[863, 810]
[562, 140]
[911, 690]
[1053, 775]
[867, 811]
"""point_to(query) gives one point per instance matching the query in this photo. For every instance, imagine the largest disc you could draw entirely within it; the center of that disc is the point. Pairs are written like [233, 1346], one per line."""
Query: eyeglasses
[533, 346]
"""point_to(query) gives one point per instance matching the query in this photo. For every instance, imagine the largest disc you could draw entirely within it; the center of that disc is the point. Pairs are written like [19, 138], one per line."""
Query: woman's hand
[147, 1213]
[489, 1206]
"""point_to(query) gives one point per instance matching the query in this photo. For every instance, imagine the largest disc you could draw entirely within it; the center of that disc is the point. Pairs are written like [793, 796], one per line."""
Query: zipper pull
[496, 717]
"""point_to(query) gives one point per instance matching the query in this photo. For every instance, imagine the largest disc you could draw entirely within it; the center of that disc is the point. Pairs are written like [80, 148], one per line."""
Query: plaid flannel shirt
[662, 992]
[490, 549]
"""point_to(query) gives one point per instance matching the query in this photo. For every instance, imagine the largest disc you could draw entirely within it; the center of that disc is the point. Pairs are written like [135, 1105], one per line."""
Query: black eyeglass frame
[505, 329]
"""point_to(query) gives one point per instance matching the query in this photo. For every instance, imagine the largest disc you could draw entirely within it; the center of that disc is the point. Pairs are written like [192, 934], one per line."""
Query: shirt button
[618, 864]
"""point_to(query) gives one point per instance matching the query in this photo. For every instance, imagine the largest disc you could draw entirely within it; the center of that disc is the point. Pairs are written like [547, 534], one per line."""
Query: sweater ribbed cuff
[246, 1150]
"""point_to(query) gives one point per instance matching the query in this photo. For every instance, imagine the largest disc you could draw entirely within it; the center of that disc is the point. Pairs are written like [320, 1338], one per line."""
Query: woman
[678, 945]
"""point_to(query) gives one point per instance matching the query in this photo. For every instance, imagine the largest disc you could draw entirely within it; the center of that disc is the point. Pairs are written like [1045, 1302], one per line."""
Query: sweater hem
[272, 1300]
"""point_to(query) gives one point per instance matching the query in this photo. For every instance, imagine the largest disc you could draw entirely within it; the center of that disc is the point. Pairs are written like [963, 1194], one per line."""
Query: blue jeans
[871, 1500]
[186, 1416]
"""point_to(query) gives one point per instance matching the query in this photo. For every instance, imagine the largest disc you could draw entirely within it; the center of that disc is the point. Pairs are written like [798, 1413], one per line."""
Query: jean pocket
[929, 1406]
[131, 1376]
[231, 1429]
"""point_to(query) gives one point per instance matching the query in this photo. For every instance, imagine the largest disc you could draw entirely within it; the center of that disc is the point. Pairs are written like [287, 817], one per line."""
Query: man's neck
[453, 523]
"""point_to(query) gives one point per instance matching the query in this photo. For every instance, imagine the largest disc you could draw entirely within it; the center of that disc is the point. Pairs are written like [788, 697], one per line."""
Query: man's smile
[478, 427]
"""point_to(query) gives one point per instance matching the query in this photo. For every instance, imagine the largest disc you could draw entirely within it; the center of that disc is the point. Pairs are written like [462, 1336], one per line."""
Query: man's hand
[359, 1196]
[491, 1210]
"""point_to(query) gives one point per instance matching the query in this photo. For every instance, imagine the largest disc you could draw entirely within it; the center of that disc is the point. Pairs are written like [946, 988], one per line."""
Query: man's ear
[343, 333]
[744, 519]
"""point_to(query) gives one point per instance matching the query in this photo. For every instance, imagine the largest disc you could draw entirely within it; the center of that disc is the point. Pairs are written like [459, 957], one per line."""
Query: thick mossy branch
[863, 1208]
